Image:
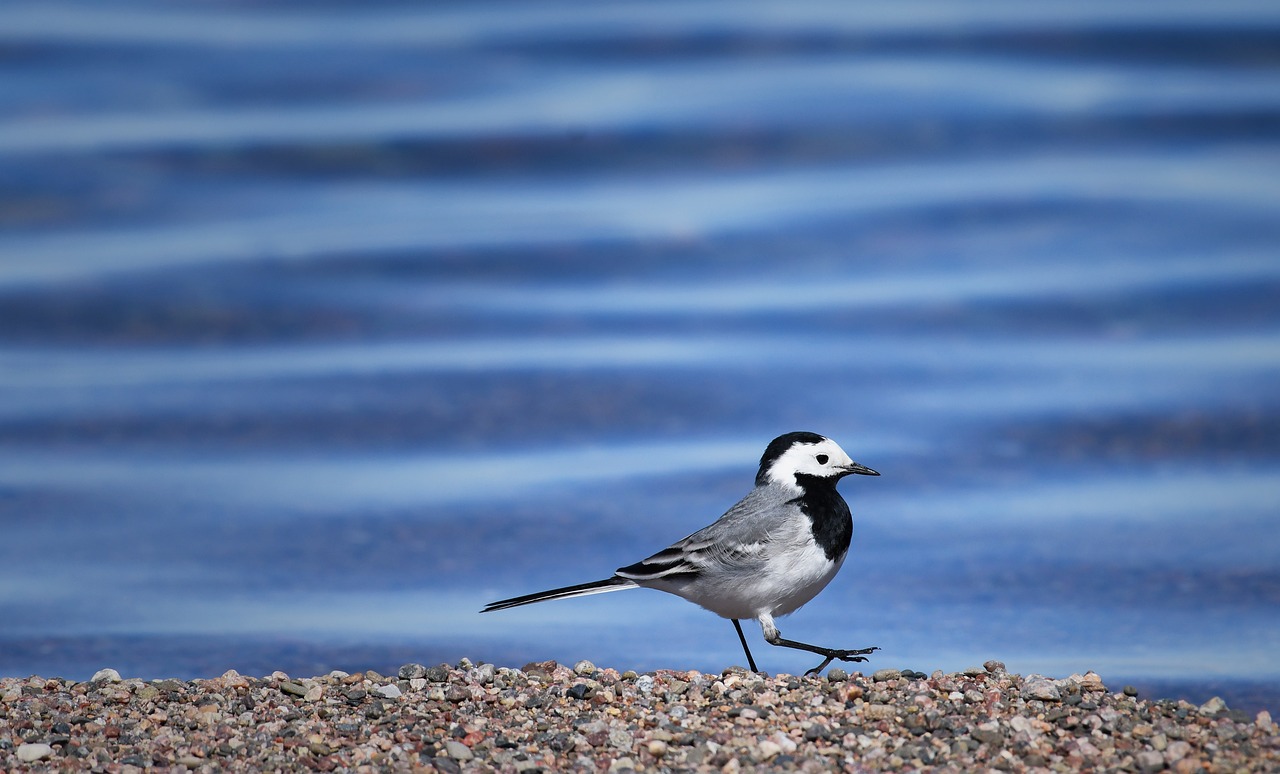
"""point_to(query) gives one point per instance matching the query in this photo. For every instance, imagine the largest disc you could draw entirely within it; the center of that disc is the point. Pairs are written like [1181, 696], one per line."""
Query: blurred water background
[321, 325]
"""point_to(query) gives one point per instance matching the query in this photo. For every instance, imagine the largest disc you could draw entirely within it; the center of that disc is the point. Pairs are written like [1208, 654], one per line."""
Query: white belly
[778, 586]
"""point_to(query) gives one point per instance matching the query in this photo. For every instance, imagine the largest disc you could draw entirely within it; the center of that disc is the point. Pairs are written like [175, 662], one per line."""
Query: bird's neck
[828, 514]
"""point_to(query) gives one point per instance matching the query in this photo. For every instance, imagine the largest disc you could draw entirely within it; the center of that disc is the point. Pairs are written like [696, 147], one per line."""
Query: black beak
[861, 470]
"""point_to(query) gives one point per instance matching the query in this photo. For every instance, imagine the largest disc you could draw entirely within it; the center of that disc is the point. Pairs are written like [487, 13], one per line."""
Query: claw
[855, 656]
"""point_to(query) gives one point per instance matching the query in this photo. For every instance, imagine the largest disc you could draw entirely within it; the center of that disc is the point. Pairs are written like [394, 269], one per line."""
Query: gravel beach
[551, 717]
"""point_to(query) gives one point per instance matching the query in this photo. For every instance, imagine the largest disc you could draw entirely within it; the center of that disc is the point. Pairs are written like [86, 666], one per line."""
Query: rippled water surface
[323, 325]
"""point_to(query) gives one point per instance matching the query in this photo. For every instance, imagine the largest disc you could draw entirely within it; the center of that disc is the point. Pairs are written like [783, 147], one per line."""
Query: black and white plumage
[772, 552]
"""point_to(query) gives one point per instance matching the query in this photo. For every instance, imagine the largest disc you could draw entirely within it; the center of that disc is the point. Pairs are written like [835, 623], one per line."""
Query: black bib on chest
[827, 512]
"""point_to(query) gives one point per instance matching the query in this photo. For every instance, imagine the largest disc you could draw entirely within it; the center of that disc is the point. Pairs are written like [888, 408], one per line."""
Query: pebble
[557, 718]
[106, 676]
[1040, 688]
[388, 691]
[29, 753]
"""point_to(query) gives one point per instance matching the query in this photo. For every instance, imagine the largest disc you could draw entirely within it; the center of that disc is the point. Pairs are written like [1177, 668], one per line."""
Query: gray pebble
[458, 751]
[837, 675]
[1149, 761]
[388, 691]
[883, 675]
[1040, 688]
[437, 674]
[411, 671]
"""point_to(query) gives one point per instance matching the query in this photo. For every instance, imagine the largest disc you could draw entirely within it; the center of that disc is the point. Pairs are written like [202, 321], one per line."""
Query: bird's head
[805, 454]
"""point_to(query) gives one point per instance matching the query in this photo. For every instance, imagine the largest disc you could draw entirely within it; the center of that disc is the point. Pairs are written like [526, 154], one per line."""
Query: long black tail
[581, 590]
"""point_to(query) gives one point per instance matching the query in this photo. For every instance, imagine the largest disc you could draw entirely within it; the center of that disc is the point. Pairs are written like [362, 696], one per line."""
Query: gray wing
[740, 537]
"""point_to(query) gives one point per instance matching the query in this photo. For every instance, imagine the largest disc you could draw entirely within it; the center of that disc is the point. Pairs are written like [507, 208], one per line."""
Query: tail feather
[581, 590]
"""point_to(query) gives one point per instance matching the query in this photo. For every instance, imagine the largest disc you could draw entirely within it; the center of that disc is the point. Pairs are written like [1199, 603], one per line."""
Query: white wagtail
[766, 556]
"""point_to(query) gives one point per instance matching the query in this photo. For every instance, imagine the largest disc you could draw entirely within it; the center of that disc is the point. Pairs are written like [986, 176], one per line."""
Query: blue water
[323, 325]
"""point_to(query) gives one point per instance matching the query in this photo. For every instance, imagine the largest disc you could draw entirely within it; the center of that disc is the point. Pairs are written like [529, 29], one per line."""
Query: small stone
[884, 675]
[584, 668]
[417, 683]
[879, 711]
[1149, 761]
[458, 751]
[293, 689]
[1040, 688]
[446, 765]
[1176, 751]
[993, 666]
[1264, 723]
[768, 749]
[29, 753]
[989, 733]
[622, 763]
[1213, 706]
[105, 676]
[412, 671]
[314, 693]
[644, 683]
[973, 671]
[581, 691]
[622, 738]
[657, 748]
[437, 674]
[190, 761]
[539, 668]
[837, 675]
[1130, 690]
[388, 691]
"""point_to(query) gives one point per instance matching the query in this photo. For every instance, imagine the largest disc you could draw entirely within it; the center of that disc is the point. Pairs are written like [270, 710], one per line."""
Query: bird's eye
[822, 459]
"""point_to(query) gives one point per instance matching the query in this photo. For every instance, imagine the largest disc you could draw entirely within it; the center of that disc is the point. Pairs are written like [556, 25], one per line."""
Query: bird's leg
[751, 662]
[774, 637]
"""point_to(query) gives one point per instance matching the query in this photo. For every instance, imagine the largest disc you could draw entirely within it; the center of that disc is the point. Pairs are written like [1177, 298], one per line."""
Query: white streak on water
[368, 219]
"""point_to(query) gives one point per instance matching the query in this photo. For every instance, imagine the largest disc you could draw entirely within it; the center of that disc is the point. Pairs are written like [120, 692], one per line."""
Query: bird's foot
[844, 655]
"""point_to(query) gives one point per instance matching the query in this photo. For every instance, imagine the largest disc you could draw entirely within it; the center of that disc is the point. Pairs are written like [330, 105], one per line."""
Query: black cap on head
[778, 446]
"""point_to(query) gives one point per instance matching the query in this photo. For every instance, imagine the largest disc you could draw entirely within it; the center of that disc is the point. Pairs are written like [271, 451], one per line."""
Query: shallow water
[321, 327]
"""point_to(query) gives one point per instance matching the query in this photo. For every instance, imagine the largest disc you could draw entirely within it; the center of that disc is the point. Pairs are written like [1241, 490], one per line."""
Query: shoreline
[551, 717]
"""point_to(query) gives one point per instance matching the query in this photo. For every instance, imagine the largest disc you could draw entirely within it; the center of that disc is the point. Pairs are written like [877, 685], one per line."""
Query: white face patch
[823, 459]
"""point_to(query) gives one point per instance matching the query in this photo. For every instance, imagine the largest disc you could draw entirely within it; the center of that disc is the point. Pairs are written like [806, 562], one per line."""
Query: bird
[768, 555]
